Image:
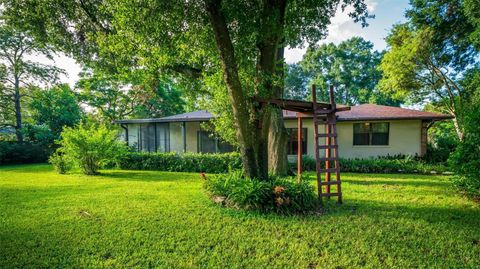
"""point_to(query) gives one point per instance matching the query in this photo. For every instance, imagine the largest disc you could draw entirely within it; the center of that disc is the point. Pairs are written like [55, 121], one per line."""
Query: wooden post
[327, 155]
[332, 98]
[315, 140]
[299, 147]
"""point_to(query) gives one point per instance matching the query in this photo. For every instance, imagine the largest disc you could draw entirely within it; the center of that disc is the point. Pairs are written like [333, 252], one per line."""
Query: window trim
[370, 134]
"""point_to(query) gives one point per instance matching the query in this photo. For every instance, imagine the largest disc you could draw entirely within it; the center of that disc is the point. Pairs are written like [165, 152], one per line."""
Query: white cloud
[341, 28]
[69, 65]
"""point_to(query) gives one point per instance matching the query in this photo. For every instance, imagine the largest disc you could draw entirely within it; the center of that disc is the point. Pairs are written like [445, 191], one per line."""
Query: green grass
[158, 219]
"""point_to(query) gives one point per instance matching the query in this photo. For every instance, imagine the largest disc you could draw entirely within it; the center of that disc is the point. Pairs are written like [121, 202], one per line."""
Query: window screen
[292, 145]
[163, 137]
[380, 133]
[208, 143]
[147, 137]
[371, 133]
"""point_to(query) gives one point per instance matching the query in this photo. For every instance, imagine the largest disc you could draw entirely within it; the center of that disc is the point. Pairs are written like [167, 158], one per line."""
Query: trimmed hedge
[386, 165]
[188, 162]
[222, 163]
[12, 152]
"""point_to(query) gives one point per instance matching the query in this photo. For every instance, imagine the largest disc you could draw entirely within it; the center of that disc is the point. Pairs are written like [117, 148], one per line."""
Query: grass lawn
[159, 219]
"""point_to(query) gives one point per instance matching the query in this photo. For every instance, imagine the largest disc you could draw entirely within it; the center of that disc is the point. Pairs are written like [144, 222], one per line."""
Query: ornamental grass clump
[281, 195]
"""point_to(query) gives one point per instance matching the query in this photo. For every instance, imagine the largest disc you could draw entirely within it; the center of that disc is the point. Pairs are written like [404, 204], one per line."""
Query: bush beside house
[89, 147]
[222, 163]
[188, 162]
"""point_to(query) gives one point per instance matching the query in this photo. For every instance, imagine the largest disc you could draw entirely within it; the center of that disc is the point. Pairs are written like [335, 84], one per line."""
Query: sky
[342, 27]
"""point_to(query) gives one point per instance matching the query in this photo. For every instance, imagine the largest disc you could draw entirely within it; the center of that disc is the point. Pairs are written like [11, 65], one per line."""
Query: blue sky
[387, 12]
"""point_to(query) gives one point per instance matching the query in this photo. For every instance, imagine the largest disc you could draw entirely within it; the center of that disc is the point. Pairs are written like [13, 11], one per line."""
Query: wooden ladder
[328, 119]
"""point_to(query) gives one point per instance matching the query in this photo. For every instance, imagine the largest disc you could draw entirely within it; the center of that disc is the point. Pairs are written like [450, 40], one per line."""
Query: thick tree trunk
[277, 135]
[18, 112]
[277, 144]
[259, 143]
[270, 68]
[246, 132]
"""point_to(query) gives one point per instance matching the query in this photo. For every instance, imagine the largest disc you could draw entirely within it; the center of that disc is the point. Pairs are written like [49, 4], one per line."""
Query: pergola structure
[323, 114]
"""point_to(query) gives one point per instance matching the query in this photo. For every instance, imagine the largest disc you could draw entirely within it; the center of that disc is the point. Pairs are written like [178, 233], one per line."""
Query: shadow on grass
[403, 182]
[460, 217]
[26, 168]
[147, 176]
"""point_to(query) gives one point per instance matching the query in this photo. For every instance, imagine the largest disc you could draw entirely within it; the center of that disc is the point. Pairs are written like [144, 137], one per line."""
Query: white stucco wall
[404, 138]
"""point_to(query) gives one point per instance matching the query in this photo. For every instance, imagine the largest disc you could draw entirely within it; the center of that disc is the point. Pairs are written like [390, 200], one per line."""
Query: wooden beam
[299, 146]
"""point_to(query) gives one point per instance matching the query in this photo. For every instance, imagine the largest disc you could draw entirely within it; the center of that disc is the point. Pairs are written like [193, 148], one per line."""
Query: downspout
[184, 137]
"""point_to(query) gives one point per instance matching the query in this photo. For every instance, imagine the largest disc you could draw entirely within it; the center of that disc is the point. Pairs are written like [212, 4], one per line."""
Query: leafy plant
[60, 162]
[91, 147]
[466, 159]
[281, 195]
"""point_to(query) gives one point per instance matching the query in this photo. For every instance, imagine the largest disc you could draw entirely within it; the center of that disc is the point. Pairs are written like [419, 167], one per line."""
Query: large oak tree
[236, 45]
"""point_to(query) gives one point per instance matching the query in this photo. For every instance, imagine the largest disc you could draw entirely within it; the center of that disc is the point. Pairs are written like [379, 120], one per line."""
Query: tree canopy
[429, 55]
[351, 66]
[175, 37]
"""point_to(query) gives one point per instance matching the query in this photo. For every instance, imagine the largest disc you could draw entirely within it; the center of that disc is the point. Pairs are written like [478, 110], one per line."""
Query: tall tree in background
[115, 97]
[428, 56]
[20, 74]
[296, 83]
[352, 66]
[175, 37]
[56, 108]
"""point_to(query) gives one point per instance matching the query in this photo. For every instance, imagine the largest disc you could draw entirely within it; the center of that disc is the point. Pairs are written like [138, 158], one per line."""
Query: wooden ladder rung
[328, 147]
[327, 135]
[330, 182]
[330, 194]
[330, 159]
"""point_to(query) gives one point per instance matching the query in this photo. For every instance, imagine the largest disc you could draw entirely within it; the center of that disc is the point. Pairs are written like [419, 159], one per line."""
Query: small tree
[91, 147]
[466, 158]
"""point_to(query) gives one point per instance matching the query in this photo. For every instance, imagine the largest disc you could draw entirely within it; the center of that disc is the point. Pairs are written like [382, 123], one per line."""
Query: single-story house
[363, 131]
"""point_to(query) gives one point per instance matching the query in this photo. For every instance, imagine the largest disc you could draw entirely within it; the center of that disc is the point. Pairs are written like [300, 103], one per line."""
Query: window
[163, 137]
[154, 137]
[292, 145]
[368, 133]
[208, 143]
[147, 137]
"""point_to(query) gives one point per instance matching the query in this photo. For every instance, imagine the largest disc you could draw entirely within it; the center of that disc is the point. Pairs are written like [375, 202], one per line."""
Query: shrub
[388, 165]
[91, 147]
[19, 153]
[281, 195]
[188, 162]
[466, 159]
[60, 161]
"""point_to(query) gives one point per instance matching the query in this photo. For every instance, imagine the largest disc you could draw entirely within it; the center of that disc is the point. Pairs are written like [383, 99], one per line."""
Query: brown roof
[379, 112]
[356, 113]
